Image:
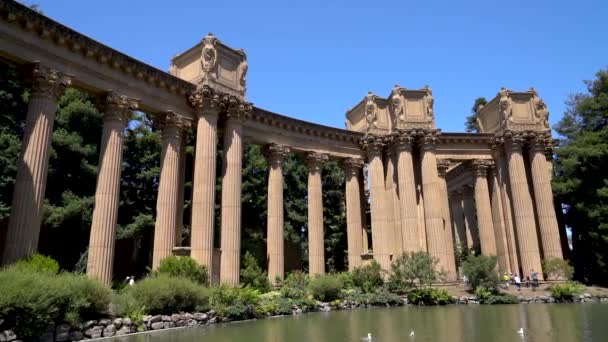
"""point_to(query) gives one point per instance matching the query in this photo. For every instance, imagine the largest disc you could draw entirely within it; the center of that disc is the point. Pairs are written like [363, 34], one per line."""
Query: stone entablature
[516, 111]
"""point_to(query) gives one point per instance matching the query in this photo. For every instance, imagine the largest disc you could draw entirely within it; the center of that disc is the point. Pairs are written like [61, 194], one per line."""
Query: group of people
[514, 279]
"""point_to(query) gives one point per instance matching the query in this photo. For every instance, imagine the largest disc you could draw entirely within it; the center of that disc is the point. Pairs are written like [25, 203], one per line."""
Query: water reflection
[477, 323]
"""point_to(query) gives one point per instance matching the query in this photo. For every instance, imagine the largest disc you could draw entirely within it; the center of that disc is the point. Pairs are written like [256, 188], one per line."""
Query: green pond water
[475, 323]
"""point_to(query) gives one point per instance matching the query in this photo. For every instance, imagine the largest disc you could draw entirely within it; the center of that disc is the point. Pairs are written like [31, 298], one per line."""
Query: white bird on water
[521, 332]
[412, 333]
[368, 338]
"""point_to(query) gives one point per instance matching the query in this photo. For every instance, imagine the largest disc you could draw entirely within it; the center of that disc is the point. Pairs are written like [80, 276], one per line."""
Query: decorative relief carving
[48, 83]
[428, 103]
[119, 107]
[442, 166]
[541, 114]
[371, 110]
[209, 56]
[397, 104]
[315, 161]
[172, 126]
[276, 154]
[505, 107]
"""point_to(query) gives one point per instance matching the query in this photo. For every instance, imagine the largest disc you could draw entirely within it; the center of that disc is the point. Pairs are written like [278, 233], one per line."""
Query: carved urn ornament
[209, 55]
[370, 110]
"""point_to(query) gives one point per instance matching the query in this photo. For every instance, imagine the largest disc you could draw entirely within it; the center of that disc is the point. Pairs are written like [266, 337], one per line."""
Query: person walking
[518, 282]
[505, 278]
[527, 281]
[534, 275]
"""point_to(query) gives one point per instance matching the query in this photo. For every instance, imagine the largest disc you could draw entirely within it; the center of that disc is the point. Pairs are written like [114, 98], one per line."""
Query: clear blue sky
[314, 59]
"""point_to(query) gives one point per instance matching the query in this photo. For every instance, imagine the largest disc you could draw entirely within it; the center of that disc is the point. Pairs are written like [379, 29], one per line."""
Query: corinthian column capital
[315, 160]
[512, 141]
[48, 83]
[206, 101]
[442, 167]
[118, 107]
[238, 109]
[352, 166]
[276, 154]
[481, 166]
[373, 145]
[172, 125]
[428, 138]
[404, 139]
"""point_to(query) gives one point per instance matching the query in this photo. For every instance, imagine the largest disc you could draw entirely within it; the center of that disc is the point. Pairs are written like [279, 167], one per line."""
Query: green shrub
[162, 294]
[367, 278]
[31, 300]
[326, 287]
[38, 263]
[183, 267]
[566, 291]
[501, 299]
[556, 268]
[429, 296]
[413, 268]
[295, 285]
[482, 294]
[380, 297]
[253, 276]
[481, 271]
[234, 302]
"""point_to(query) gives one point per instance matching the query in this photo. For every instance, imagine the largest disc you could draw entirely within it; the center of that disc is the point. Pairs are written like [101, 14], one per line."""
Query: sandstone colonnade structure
[428, 190]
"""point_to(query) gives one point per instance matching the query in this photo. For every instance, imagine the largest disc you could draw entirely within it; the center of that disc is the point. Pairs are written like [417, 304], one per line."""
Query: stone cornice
[48, 29]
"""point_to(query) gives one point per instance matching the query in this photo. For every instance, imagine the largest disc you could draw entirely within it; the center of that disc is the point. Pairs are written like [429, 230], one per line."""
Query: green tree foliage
[252, 274]
[481, 271]
[557, 269]
[367, 278]
[581, 181]
[326, 287]
[471, 125]
[413, 269]
[184, 267]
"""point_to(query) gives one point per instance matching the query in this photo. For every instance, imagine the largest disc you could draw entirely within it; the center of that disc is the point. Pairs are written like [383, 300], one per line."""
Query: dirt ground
[459, 290]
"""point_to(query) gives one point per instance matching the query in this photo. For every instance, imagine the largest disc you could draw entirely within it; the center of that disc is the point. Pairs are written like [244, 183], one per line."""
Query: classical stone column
[483, 208]
[498, 222]
[32, 166]
[316, 251]
[407, 191]
[448, 239]
[503, 176]
[207, 105]
[364, 204]
[107, 194]
[352, 170]
[275, 243]
[392, 201]
[460, 235]
[380, 246]
[468, 205]
[522, 204]
[543, 194]
[172, 127]
[179, 224]
[231, 193]
[433, 204]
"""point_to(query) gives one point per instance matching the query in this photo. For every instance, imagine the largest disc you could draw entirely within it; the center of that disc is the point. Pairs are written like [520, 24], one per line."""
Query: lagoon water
[455, 323]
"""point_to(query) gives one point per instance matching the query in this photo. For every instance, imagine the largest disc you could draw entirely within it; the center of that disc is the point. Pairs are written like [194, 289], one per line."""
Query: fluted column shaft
[392, 201]
[503, 176]
[231, 203]
[484, 211]
[468, 205]
[523, 208]
[448, 238]
[543, 194]
[166, 202]
[364, 203]
[179, 224]
[499, 223]
[100, 259]
[460, 236]
[433, 212]
[407, 195]
[275, 243]
[316, 250]
[380, 246]
[203, 183]
[32, 167]
[354, 238]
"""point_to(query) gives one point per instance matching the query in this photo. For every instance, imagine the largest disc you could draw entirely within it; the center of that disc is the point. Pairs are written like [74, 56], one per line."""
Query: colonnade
[504, 211]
